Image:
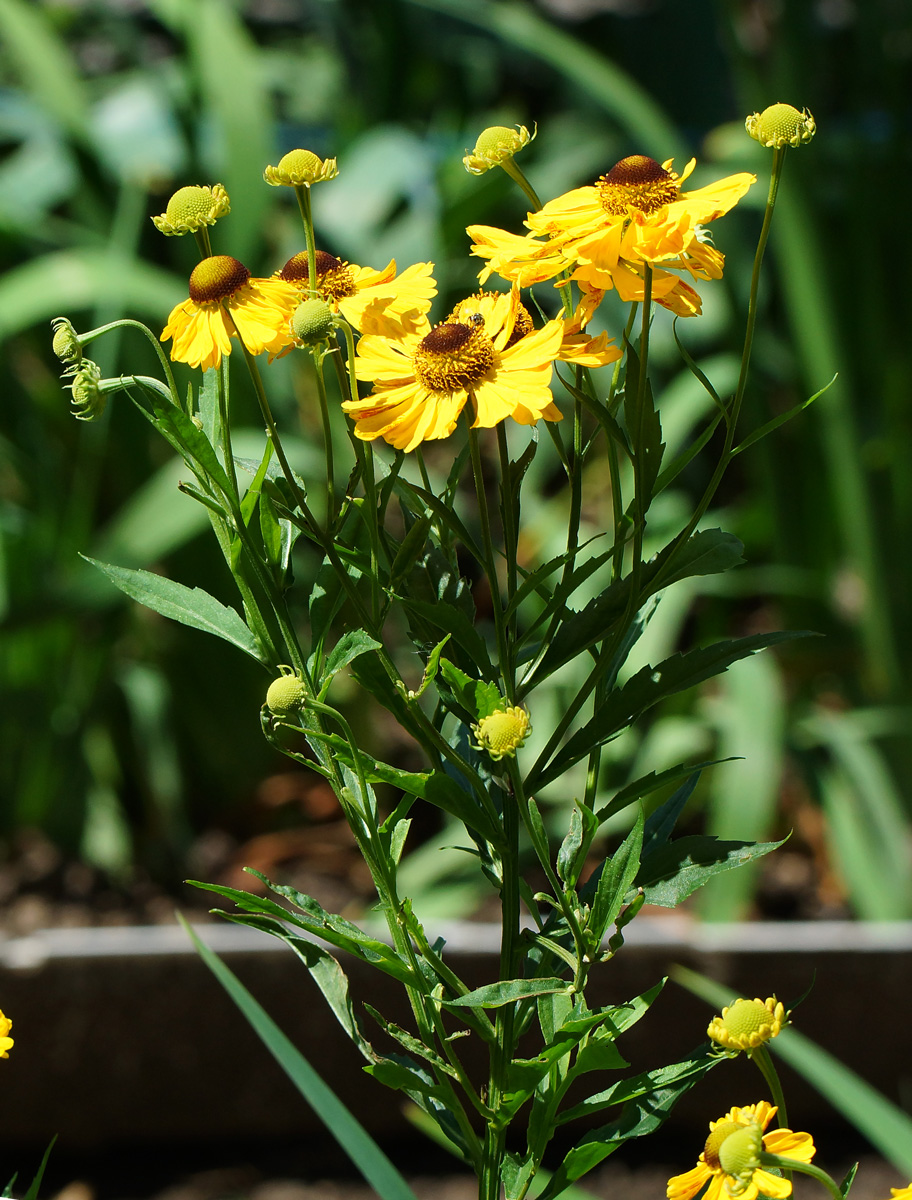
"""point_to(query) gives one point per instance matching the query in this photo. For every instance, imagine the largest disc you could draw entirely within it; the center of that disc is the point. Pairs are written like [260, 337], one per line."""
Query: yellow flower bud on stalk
[502, 732]
[301, 168]
[192, 208]
[747, 1024]
[495, 146]
[781, 125]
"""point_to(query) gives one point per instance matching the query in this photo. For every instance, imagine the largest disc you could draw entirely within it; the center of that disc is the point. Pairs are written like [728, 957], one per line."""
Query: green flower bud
[286, 695]
[312, 322]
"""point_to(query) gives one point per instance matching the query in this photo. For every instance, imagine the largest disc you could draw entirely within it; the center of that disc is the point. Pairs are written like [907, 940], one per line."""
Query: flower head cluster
[225, 302]
[372, 301]
[735, 1169]
[747, 1024]
[424, 379]
[606, 233]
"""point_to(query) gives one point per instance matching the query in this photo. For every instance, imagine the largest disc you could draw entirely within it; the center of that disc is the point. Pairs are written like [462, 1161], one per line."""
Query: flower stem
[792, 1164]
[761, 1056]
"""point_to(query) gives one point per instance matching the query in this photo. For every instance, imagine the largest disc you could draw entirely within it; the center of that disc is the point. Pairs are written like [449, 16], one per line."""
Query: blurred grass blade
[887, 1127]
[611, 88]
[45, 66]
[749, 713]
[354, 1139]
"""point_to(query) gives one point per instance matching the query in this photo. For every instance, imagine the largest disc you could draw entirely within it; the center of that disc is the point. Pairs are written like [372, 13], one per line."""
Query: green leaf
[646, 688]
[507, 991]
[357, 1143]
[613, 881]
[638, 1086]
[678, 868]
[782, 418]
[347, 649]
[190, 606]
[476, 696]
[707, 552]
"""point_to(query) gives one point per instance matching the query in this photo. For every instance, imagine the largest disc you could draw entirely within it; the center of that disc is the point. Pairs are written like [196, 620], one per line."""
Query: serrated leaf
[189, 606]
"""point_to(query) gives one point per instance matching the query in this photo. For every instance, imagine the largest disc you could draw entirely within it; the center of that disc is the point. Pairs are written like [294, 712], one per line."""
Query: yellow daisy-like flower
[501, 733]
[494, 146]
[190, 208]
[301, 168]
[634, 215]
[525, 260]
[576, 346]
[424, 379]
[225, 301]
[709, 1168]
[904, 1193]
[6, 1042]
[747, 1024]
[380, 302]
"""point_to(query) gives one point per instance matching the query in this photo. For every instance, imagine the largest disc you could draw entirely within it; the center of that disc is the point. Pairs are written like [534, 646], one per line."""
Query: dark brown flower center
[453, 357]
[335, 279]
[638, 182]
[217, 277]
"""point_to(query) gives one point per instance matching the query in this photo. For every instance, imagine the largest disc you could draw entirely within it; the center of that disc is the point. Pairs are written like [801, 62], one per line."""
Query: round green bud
[286, 695]
[312, 322]
[66, 344]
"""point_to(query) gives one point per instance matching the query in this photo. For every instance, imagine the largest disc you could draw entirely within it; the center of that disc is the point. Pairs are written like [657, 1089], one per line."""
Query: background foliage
[124, 736]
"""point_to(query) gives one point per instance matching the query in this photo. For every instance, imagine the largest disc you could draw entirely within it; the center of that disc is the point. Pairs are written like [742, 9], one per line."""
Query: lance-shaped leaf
[678, 868]
[507, 991]
[190, 606]
[646, 688]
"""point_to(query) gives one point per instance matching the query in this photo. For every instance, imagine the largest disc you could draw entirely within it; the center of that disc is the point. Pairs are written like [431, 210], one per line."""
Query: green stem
[502, 1051]
[761, 1056]
[327, 437]
[490, 566]
[509, 165]
[735, 408]
[225, 425]
[302, 191]
[792, 1164]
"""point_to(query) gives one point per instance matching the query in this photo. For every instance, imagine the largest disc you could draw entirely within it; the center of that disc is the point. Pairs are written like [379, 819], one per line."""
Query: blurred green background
[126, 739]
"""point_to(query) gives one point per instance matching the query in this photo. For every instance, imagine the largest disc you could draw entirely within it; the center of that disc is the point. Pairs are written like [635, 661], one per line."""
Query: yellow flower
[495, 146]
[576, 346]
[301, 168]
[423, 379]
[379, 302]
[190, 208]
[781, 125]
[225, 301]
[6, 1042]
[525, 260]
[709, 1169]
[501, 733]
[747, 1024]
[904, 1193]
[634, 215]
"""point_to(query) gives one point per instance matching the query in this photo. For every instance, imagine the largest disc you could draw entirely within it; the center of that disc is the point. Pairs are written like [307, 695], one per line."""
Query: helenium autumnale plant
[428, 598]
